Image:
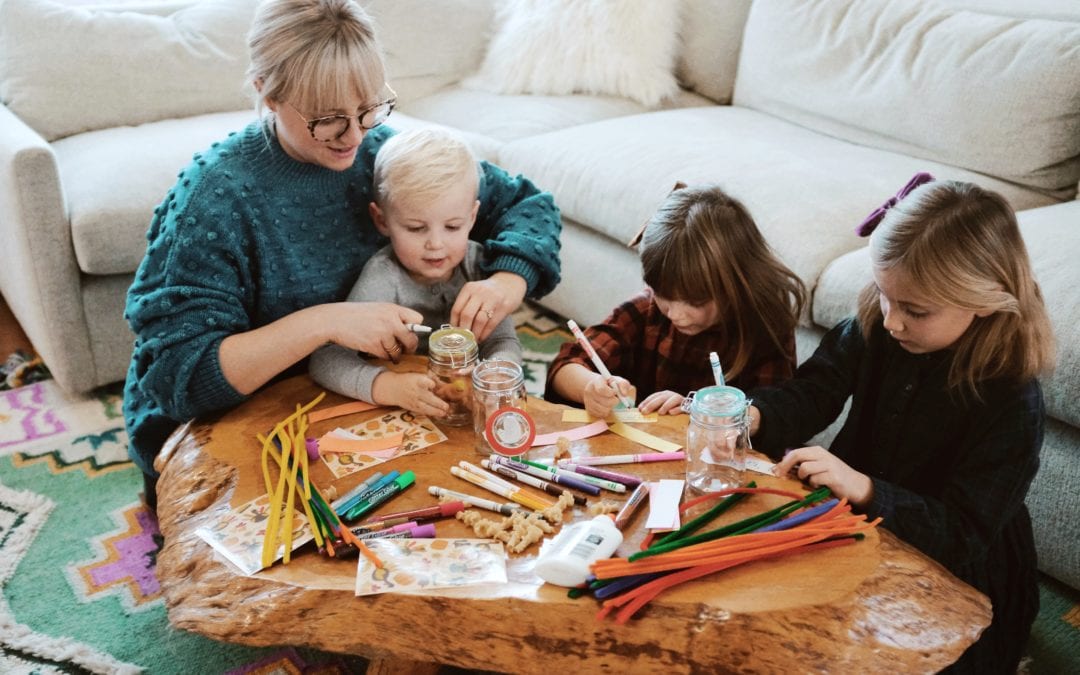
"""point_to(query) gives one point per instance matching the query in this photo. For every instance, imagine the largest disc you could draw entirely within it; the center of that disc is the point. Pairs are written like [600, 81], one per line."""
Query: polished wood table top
[877, 605]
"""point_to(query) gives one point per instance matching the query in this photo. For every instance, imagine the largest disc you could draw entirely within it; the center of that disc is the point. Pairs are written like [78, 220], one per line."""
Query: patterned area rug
[77, 546]
[77, 549]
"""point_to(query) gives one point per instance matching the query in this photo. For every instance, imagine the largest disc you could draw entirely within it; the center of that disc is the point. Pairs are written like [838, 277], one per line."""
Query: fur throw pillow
[622, 48]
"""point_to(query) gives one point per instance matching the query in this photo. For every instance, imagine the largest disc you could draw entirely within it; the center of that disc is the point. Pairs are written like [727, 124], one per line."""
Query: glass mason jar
[452, 354]
[496, 384]
[716, 439]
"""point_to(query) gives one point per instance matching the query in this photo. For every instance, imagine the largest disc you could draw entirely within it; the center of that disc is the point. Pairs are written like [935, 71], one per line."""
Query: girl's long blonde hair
[702, 245]
[961, 247]
[314, 54]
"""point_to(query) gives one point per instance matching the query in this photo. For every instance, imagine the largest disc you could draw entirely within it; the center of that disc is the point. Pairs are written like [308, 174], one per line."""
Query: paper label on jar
[510, 431]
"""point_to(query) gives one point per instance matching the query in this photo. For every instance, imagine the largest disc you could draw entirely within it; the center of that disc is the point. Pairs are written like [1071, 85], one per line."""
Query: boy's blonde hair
[702, 245]
[961, 247]
[423, 164]
[314, 54]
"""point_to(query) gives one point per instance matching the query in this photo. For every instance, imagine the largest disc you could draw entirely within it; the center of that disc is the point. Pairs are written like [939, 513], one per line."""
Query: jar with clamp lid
[717, 438]
[452, 354]
[499, 385]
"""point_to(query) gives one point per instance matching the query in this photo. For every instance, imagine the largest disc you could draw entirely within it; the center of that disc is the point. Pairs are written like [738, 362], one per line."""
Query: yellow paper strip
[646, 439]
[634, 416]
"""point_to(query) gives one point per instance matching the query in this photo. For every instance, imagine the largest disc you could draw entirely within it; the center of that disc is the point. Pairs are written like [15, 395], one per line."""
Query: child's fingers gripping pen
[597, 363]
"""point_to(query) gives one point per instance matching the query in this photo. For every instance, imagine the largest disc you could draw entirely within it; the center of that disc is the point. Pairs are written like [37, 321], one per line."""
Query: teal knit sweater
[248, 235]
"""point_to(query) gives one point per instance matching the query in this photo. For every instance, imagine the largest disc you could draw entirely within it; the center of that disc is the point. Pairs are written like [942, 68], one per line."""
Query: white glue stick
[564, 560]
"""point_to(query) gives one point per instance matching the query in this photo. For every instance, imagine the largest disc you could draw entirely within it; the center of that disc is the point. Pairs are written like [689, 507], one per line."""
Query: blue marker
[348, 505]
[717, 371]
[381, 495]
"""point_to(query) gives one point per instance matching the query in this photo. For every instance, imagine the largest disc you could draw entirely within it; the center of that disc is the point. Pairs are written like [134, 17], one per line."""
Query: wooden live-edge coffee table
[876, 606]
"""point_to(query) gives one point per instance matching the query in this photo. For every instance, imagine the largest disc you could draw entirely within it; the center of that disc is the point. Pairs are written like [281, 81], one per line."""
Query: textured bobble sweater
[248, 235]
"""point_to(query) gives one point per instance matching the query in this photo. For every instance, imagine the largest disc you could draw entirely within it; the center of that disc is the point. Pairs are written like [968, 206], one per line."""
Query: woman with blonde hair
[946, 420]
[251, 254]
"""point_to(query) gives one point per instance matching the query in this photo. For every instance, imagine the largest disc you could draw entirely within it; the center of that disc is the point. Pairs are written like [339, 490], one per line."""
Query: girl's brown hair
[961, 247]
[701, 245]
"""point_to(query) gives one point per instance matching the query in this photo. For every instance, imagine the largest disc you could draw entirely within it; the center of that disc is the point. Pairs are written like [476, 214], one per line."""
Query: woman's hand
[601, 394]
[819, 467]
[414, 392]
[481, 305]
[376, 328]
[664, 402]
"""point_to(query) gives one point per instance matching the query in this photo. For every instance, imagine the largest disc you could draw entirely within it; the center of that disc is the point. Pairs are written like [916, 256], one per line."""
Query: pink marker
[597, 363]
[628, 459]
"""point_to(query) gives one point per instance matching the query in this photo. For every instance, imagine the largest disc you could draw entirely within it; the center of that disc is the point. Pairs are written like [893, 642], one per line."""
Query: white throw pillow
[66, 70]
[622, 48]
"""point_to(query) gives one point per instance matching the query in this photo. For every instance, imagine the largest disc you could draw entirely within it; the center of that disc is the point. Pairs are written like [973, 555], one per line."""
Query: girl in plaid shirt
[713, 285]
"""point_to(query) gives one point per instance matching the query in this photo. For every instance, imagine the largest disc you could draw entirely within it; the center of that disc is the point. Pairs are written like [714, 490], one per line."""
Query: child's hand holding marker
[602, 394]
[820, 468]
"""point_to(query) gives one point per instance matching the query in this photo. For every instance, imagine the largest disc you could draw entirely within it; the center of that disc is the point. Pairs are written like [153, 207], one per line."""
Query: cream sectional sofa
[811, 112]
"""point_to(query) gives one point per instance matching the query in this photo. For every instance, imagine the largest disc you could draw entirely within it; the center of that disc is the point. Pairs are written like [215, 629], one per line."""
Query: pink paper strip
[577, 433]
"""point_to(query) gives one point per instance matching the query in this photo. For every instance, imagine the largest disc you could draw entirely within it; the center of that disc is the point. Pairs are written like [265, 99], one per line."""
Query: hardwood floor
[12, 336]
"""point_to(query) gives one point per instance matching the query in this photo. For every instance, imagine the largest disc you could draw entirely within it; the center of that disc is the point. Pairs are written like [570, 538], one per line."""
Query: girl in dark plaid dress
[714, 285]
[946, 418]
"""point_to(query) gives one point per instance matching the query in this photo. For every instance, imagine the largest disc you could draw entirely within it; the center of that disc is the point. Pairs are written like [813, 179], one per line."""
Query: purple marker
[561, 479]
[627, 480]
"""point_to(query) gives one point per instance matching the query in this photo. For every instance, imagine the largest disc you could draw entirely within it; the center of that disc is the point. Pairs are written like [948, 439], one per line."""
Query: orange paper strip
[339, 410]
[331, 443]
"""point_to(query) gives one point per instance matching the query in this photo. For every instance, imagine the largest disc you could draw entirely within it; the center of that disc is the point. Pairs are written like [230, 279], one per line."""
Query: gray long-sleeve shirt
[383, 279]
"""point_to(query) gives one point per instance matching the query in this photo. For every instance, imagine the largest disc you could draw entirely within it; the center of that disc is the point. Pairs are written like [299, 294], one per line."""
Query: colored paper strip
[646, 439]
[339, 410]
[575, 434]
[332, 443]
[634, 416]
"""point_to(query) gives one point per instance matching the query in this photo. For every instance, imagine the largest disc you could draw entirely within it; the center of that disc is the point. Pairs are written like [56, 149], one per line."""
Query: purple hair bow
[867, 226]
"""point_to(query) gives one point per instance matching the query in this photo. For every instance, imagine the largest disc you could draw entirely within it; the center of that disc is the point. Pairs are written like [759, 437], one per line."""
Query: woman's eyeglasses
[333, 127]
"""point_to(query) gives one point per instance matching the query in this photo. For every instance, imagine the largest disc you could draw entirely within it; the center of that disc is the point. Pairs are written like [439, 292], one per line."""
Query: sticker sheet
[412, 565]
[419, 432]
[238, 534]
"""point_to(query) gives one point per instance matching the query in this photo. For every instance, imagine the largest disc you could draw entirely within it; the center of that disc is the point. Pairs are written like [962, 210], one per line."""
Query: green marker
[381, 495]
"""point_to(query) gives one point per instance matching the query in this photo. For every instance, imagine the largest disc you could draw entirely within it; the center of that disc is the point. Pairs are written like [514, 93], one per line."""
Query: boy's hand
[414, 392]
[664, 402]
[601, 394]
[819, 467]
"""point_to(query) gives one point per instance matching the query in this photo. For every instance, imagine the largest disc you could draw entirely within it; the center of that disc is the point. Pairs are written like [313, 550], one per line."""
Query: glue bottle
[564, 560]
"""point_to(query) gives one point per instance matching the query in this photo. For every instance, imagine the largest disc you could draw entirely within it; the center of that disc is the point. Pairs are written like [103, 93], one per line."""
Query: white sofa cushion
[113, 179]
[889, 74]
[65, 70]
[616, 47]
[428, 45]
[805, 190]
[711, 36]
[507, 118]
[1052, 237]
